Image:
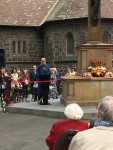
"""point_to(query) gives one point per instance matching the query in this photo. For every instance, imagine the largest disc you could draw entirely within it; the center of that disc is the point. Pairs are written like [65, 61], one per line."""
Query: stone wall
[33, 48]
[55, 41]
[48, 41]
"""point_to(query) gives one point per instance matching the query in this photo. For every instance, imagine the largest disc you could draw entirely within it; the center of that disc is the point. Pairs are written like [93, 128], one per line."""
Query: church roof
[69, 9]
[73, 9]
[24, 12]
[36, 12]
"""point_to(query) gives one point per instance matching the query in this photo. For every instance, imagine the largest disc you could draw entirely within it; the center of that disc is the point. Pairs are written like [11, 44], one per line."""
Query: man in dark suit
[43, 74]
[33, 79]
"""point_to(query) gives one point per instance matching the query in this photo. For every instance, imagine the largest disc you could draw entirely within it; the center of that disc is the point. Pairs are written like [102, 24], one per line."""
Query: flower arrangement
[97, 69]
[109, 74]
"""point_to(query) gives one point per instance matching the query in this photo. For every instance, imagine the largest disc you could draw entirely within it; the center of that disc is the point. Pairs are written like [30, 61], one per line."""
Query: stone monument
[94, 50]
[87, 91]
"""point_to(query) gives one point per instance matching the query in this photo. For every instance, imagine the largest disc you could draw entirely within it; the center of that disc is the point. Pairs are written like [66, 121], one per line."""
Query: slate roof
[36, 12]
[69, 9]
[72, 9]
[24, 12]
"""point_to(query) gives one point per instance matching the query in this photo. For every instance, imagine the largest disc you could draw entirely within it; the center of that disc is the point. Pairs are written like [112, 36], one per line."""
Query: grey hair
[73, 111]
[105, 108]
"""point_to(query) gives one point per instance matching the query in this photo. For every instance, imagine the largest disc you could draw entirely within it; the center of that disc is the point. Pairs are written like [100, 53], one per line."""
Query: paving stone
[55, 110]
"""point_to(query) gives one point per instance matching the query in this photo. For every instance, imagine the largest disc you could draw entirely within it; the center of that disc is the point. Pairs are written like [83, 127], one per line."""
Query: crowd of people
[41, 82]
[93, 135]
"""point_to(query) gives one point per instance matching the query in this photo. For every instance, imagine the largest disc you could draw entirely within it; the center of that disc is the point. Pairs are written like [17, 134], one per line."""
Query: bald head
[43, 61]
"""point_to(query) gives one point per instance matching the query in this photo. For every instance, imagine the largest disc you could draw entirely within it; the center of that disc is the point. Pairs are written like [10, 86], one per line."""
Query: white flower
[103, 68]
[110, 74]
[90, 67]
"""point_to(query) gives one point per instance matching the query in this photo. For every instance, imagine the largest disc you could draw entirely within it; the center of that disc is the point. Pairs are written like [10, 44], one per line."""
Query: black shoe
[35, 100]
[41, 103]
[48, 104]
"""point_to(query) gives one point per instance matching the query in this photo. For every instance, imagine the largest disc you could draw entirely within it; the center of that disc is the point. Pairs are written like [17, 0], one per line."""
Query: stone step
[55, 110]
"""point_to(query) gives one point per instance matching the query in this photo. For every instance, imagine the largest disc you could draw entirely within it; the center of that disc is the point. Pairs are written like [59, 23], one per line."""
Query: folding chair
[64, 140]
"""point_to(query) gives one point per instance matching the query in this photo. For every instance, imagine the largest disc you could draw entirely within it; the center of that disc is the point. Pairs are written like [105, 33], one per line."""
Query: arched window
[70, 44]
[106, 37]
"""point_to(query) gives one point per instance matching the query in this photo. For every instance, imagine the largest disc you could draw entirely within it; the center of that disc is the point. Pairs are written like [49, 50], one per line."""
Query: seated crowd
[98, 137]
[73, 113]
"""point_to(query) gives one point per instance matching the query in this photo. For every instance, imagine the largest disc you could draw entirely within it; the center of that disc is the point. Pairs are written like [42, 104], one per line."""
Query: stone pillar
[94, 50]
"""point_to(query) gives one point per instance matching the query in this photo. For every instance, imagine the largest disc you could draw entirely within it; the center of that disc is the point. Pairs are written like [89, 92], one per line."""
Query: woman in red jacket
[73, 113]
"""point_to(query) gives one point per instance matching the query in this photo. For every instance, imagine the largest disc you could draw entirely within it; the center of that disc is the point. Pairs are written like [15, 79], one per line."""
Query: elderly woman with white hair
[73, 113]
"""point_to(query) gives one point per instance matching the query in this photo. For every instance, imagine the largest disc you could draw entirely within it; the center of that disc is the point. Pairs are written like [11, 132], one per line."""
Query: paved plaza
[25, 125]
[24, 132]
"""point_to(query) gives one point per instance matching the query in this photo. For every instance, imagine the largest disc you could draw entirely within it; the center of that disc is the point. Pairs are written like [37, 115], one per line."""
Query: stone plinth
[94, 51]
[85, 91]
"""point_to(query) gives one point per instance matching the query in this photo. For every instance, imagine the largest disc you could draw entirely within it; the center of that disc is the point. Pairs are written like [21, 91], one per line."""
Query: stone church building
[31, 29]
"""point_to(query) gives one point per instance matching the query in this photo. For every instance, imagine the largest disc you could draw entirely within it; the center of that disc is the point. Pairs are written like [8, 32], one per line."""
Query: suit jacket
[61, 126]
[43, 70]
[97, 138]
[33, 76]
